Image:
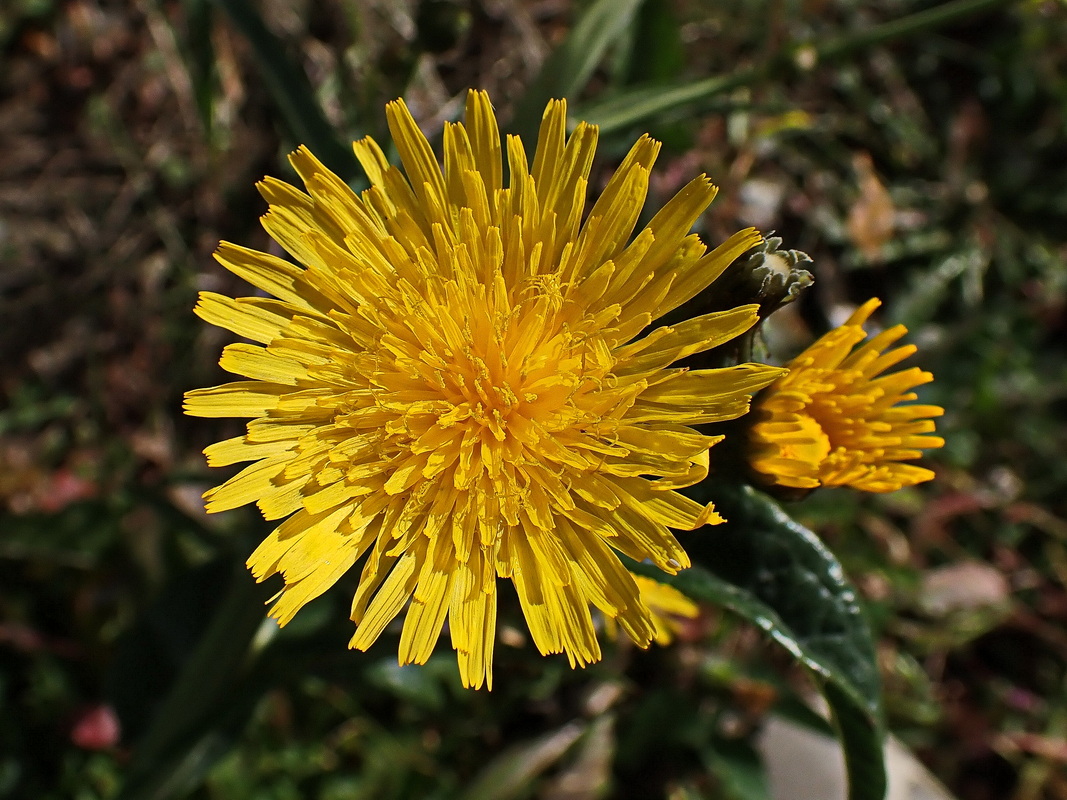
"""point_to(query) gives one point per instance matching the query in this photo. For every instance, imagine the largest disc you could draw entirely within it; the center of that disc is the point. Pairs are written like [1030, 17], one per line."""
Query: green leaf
[209, 703]
[291, 91]
[567, 70]
[776, 573]
[200, 59]
[657, 53]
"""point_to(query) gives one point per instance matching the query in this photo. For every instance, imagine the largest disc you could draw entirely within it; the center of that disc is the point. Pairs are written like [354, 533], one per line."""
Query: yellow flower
[668, 607]
[835, 420]
[450, 389]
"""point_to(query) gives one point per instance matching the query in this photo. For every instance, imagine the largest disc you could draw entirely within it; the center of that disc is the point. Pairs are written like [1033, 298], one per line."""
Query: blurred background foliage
[926, 165]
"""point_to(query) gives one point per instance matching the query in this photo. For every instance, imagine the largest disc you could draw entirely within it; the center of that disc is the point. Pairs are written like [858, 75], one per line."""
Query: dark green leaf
[863, 740]
[209, 703]
[291, 90]
[658, 53]
[200, 59]
[776, 573]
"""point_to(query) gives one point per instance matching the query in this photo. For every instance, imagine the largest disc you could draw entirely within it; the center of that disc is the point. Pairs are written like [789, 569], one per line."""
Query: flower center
[491, 391]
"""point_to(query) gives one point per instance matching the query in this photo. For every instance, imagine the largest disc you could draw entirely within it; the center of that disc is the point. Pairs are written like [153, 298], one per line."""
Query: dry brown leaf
[871, 218]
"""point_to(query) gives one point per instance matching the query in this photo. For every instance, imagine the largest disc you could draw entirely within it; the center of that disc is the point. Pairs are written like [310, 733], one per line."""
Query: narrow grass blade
[568, 69]
[636, 104]
[291, 90]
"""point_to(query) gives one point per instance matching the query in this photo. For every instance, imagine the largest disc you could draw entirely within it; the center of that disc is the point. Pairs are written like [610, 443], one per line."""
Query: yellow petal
[238, 399]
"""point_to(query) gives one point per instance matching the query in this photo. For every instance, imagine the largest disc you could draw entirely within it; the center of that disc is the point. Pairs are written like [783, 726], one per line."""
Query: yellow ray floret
[447, 386]
[669, 608]
[836, 420]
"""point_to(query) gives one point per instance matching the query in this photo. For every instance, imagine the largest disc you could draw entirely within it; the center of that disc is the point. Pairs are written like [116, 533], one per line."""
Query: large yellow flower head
[835, 419]
[448, 386]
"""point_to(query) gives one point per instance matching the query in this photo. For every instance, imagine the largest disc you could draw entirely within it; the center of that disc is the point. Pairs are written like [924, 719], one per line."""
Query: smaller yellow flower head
[836, 420]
